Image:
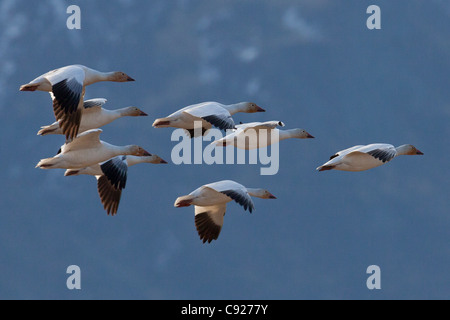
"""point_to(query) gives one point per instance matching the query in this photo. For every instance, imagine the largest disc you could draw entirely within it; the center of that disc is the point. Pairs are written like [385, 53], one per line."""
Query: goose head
[261, 193]
[409, 150]
[138, 151]
[134, 112]
[250, 107]
[120, 77]
[301, 134]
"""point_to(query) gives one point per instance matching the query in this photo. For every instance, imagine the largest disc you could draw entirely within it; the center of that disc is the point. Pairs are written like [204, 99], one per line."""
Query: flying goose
[210, 203]
[95, 116]
[259, 135]
[360, 158]
[87, 150]
[67, 87]
[112, 177]
[209, 113]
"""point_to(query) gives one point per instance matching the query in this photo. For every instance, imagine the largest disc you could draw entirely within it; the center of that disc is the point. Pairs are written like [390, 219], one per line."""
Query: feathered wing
[268, 125]
[109, 196]
[94, 103]
[86, 140]
[241, 197]
[381, 152]
[345, 152]
[89, 106]
[209, 221]
[93, 106]
[112, 182]
[214, 114]
[68, 94]
[234, 191]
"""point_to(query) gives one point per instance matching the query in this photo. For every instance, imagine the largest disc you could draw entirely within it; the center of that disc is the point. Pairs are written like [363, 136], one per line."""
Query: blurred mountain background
[312, 64]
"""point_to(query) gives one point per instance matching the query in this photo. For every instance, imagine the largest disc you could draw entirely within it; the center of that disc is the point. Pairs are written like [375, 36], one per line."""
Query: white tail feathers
[46, 163]
[52, 129]
[29, 87]
[161, 123]
[325, 168]
[184, 201]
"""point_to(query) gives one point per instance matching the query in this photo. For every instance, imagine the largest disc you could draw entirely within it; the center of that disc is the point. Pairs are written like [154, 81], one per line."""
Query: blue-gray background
[312, 64]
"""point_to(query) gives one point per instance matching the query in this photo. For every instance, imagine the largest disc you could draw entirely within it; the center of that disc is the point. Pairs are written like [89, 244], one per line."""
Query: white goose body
[210, 203]
[259, 135]
[94, 116]
[361, 158]
[67, 87]
[111, 177]
[208, 113]
[87, 150]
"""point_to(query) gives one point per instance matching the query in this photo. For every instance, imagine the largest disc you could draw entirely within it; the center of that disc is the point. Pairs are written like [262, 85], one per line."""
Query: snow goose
[259, 135]
[87, 150]
[209, 113]
[95, 116]
[210, 203]
[112, 177]
[67, 87]
[360, 158]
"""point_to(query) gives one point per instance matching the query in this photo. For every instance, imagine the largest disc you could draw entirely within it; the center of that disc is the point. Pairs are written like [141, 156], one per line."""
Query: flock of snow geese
[84, 152]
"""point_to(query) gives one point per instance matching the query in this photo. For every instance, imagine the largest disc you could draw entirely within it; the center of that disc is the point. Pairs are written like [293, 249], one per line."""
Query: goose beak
[259, 109]
[419, 152]
[163, 161]
[271, 196]
[310, 136]
[143, 114]
[146, 154]
[130, 79]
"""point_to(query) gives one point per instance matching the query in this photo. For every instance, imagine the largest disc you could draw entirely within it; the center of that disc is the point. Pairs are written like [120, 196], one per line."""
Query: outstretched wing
[214, 114]
[116, 170]
[209, 221]
[86, 140]
[112, 182]
[67, 95]
[235, 191]
[242, 198]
